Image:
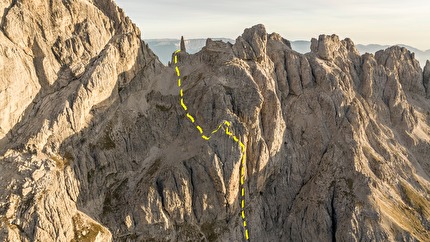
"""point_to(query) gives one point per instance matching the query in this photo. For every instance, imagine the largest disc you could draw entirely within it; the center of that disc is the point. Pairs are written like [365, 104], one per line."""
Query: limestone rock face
[403, 64]
[328, 47]
[252, 44]
[62, 63]
[97, 146]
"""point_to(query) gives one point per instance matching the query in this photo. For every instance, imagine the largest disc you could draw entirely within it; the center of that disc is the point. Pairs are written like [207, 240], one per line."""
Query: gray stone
[426, 78]
[183, 45]
[97, 147]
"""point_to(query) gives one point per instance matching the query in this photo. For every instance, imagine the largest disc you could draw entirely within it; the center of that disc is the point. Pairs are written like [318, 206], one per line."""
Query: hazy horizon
[297, 40]
[365, 22]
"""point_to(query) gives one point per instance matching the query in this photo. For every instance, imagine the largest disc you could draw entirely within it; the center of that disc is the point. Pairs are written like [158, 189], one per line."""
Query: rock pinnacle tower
[183, 44]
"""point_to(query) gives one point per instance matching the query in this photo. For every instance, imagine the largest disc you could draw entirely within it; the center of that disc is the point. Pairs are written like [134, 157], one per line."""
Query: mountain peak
[327, 47]
[182, 45]
[402, 63]
[251, 45]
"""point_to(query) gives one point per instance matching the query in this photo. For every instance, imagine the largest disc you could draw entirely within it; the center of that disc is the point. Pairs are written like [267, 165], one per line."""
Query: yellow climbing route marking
[190, 117]
[183, 104]
[242, 146]
[178, 72]
[229, 133]
[216, 130]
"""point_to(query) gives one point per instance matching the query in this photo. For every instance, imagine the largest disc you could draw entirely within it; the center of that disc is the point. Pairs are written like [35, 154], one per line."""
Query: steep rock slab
[66, 68]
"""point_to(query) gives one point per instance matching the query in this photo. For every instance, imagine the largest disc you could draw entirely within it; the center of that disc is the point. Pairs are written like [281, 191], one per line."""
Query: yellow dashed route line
[236, 139]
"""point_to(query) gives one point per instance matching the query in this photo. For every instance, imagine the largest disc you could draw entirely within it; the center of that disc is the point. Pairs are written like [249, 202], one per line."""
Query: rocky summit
[95, 146]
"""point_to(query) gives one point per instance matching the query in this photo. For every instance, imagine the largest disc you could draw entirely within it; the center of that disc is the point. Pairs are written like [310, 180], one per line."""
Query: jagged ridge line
[227, 124]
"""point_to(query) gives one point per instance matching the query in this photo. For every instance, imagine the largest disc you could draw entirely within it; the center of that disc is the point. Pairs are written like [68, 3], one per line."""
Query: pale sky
[364, 21]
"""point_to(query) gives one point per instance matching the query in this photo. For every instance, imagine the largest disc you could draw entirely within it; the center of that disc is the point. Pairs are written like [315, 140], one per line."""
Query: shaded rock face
[426, 78]
[98, 148]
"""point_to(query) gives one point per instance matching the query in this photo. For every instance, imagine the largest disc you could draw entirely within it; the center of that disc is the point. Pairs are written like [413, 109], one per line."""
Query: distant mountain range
[164, 48]
[420, 55]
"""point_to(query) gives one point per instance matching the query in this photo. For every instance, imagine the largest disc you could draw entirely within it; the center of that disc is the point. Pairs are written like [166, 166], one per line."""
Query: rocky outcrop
[404, 66]
[329, 47]
[59, 72]
[337, 143]
[426, 78]
[252, 44]
[182, 44]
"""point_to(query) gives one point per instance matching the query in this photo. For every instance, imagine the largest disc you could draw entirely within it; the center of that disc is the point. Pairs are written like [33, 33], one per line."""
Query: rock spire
[183, 49]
